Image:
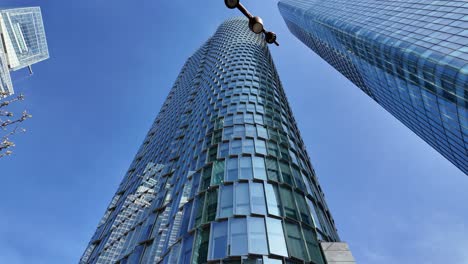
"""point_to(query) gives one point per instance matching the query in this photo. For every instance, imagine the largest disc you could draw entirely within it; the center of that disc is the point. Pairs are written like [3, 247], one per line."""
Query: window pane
[276, 241]
[273, 149]
[314, 214]
[260, 146]
[246, 168]
[298, 179]
[187, 250]
[288, 203]
[313, 247]
[250, 130]
[218, 241]
[218, 173]
[223, 150]
[267, 260]
[238, 119]
[211, 205]
[227, 133]
[226, 201]
[239, 131]
[197, 211]
[212, 153]
[259, 168]
[273, 202]
[257, 235]
[296, 245]
[242, 199]
[206, 178]
[200, 253]
[249, 146]
[249, 118]
[258, 198]
[302, 207]
[286, 173]
[238, 242]
[232, 169]
[272, 169]
[262, 132]
[236, 147]
[185, 218]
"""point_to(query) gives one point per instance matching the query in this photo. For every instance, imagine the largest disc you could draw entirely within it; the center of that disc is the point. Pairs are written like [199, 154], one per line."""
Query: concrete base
[337, 253]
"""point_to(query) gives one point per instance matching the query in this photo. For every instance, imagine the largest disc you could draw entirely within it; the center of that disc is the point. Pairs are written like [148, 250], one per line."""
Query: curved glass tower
[223, 174]
[410, 56]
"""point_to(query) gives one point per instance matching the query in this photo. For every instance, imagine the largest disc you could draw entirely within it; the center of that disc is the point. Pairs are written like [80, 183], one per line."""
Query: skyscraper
[223, 174]
[410, 56]
[22, 43]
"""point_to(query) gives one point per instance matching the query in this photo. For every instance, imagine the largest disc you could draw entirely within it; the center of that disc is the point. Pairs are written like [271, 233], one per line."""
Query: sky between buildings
[394, 198]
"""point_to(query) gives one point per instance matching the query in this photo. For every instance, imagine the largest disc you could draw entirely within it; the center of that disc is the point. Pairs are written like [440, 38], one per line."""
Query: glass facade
[23, 41]
[223, 175]
[410, 56]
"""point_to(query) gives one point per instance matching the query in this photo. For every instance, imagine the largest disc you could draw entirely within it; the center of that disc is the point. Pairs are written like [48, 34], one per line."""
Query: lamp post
[255, 22]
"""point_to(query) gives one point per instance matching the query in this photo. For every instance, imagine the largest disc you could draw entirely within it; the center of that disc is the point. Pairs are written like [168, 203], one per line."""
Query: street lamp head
[231, 3]
[270, 37]
[256, 25]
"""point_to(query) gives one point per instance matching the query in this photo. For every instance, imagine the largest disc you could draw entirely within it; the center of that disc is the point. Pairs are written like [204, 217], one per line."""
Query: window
[257, 236]
[273, 199]
[298, 179]
[197, 213]
[223, 150]
[238, 235]
[226, 201]
[259, 168]
[185, 218]
[211, 205]
[218, 240]
[206, 178]
[286, 173]
[249, 118]
[296, 245]
[248, 146]
[218, 173]
[314, 214]
[312, 246]
[288, 203]
[242, 199]
[239, 131]
[232, 170]
[302, 208]
[227, 133]
[187, 250]
[201, 246]
[236, 147]
[246, 168]
[276, 241]
[250, 130]
[272, 169]
[273, 149]
[262, 132]
[238, 119]
[260, 146]
[258, 198]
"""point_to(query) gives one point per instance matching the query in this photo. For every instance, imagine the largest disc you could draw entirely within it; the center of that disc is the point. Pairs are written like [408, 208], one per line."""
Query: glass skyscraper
[410, 56]
[223, 175]
[22, 43]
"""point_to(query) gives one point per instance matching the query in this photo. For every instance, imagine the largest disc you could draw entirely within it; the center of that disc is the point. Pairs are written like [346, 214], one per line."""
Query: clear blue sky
[394, 199]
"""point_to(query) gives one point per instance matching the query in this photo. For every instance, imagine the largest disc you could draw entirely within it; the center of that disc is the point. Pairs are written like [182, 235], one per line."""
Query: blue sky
[394, 198]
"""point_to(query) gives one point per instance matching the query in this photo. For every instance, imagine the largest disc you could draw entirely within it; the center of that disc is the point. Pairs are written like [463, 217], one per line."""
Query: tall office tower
[223, 174]
[22, 43]
[410, 56]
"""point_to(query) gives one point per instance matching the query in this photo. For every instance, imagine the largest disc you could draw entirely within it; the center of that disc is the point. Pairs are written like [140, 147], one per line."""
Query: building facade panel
[223, 174]
[411, 57]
